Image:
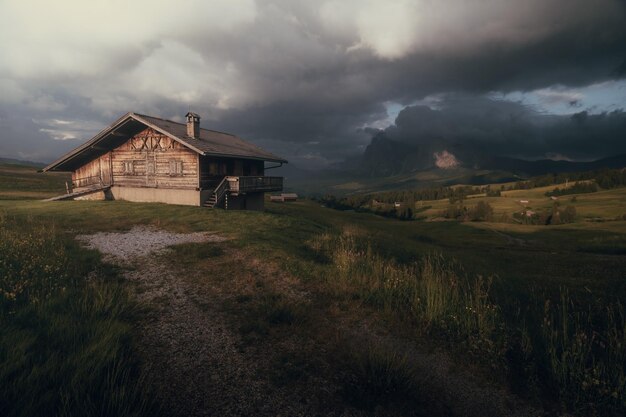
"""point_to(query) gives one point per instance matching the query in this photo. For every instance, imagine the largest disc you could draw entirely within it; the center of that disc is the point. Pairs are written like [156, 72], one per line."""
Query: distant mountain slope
[393, 165]
[21, 162]
[545, 166]
[20, 179]
[386, 157]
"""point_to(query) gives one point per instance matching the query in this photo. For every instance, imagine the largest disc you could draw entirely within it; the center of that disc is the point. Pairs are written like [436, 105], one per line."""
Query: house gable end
[213, 143]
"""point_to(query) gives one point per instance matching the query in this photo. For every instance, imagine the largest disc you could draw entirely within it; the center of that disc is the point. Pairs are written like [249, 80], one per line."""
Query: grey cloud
[479, 127]
[320, 132]
[21, 138]
[290, 74]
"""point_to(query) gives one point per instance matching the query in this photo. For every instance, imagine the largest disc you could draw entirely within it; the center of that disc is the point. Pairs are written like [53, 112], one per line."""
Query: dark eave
[115, 135]
[212, 143]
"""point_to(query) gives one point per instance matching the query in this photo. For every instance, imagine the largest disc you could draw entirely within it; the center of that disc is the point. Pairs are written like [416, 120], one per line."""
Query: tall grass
[65, 345]
[379, 376]
[578, 354]
[433, 293]
[586, 354]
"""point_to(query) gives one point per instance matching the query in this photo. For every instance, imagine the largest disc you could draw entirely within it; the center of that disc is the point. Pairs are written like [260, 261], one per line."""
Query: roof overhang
[108, 139]
[119, 132]
[255, 158]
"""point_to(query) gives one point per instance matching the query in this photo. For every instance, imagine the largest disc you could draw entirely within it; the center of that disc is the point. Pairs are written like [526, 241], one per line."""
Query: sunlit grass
[65, 345]
[384, 263]
[584, 350]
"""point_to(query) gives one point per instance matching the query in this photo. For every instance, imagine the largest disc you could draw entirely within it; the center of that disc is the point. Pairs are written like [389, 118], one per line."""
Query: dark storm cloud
[323, 131]
[309, 91]
[481, 126]
[303, 78]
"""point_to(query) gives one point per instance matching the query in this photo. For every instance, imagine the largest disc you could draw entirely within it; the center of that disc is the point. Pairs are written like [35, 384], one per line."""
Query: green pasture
[604, 205]
[24, 182]
[526, 264]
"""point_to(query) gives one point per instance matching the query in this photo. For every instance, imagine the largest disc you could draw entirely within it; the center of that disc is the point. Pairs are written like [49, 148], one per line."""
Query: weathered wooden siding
[154, 157]
[96, 172]
[151, 159]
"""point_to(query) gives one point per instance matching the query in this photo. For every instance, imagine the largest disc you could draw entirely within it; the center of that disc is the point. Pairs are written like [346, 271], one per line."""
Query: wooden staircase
[218, 196]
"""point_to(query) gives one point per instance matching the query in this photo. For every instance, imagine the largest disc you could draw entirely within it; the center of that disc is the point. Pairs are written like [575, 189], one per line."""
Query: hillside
[304, 310]
[20, 180]
[387, 165]
[385, 157]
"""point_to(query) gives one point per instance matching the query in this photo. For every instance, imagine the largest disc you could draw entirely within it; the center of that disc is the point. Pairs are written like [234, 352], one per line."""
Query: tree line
[401, 204]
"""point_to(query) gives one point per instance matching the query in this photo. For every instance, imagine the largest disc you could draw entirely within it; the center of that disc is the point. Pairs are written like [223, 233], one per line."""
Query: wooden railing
[220, 191]
[250, 184]
[94, 180]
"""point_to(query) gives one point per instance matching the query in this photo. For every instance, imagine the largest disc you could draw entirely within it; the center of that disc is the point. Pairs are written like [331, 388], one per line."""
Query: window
[129, 167]
[176, 167]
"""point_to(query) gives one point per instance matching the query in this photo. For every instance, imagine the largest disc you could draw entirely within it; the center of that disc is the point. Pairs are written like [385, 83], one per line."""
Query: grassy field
[602, 205]
[23, 181]
[339, 185]
[65, 347]
[541, 290]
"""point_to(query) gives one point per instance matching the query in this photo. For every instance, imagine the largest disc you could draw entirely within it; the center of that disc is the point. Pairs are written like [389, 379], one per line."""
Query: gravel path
[194, 357]
[141, 241]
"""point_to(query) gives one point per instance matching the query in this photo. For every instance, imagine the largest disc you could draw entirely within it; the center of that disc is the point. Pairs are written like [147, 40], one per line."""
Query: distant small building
[554, 198]
[281, 198]
[524, 201]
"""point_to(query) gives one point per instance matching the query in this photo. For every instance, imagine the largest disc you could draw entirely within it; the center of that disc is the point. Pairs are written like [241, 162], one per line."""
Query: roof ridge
[183, 124]
[213, 144]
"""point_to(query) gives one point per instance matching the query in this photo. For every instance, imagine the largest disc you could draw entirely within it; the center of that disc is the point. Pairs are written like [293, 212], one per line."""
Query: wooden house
[148, 159]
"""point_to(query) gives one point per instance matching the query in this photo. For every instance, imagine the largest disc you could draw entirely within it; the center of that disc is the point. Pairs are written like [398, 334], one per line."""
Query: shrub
[568, 215]
[482, 212]
[577, 188]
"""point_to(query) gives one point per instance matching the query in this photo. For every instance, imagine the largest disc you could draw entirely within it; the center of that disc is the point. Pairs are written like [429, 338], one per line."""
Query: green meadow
[537, 308]
[24, 182]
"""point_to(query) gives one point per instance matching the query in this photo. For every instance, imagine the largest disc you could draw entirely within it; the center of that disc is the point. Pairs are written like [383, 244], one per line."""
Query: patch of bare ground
[228, 334]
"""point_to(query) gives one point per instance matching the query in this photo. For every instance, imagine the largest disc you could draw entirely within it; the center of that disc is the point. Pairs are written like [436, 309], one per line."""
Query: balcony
[253, 184]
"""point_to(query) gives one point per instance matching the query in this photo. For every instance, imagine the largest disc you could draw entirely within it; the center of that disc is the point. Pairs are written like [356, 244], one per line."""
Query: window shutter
[176, 167]
[129, 167]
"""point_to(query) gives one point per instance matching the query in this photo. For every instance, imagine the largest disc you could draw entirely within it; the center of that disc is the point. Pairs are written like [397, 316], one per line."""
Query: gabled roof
[210, 142]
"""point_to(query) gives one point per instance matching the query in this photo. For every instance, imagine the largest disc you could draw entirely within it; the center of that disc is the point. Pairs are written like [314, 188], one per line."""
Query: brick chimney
[193, 125]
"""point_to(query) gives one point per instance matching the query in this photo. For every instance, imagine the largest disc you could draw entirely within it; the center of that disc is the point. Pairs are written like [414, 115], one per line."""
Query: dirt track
[200, 363]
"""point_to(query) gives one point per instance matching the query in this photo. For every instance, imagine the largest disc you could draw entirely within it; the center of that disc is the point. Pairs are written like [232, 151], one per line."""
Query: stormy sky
[312, 81]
